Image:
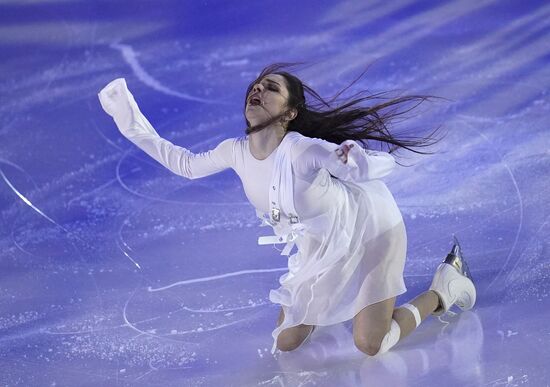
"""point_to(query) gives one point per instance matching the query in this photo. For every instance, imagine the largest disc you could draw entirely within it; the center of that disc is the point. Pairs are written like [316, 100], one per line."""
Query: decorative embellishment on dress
[296, 230]
[275, 214]
[281, 198]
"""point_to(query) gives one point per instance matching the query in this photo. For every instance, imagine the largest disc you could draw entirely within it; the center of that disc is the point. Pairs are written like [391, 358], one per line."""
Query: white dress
[353, 252]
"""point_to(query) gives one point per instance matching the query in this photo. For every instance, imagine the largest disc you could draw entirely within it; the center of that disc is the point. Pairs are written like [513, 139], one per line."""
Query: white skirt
[350, 257]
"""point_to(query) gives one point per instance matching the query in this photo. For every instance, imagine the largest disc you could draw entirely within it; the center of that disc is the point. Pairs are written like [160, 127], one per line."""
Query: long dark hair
[348, 120]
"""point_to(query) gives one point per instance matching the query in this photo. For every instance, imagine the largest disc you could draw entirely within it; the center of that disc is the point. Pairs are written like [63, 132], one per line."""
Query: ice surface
[116, 272]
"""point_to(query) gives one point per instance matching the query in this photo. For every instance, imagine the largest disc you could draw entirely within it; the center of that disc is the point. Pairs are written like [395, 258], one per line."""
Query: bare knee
[371, 325]
[291, 338]
[369, 344]
[288, 342]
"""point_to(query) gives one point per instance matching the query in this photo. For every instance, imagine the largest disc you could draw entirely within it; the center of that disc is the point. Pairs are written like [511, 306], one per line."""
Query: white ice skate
[453, 282]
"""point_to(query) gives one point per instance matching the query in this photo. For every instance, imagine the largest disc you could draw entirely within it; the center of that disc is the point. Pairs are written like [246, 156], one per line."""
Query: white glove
[115, 99]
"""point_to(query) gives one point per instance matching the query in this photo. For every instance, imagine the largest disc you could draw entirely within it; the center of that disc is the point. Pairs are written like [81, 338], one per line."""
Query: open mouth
[255, 101]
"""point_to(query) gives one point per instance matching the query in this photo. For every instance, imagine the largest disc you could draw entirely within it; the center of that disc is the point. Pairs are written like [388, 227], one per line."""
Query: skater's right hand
[112, 97]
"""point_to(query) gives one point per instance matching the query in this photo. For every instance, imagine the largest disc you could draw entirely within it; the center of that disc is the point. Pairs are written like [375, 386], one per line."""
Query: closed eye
[270, 86]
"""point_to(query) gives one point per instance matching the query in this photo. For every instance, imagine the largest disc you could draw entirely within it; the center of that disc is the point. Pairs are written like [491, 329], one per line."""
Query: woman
[321, 191]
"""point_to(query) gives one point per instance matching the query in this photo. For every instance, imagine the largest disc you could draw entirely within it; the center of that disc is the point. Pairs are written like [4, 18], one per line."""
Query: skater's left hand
[342, 152]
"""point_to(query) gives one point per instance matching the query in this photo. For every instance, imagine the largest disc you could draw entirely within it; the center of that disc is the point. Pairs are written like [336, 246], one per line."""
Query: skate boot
[453, 282]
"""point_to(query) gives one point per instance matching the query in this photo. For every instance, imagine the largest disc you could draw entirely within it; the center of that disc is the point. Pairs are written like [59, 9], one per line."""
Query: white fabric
[281, 195]
[391, 338]
[353, 251]
[414, 310]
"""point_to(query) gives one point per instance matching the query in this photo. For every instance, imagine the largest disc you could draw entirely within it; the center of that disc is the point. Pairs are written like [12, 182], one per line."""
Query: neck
[264, 142]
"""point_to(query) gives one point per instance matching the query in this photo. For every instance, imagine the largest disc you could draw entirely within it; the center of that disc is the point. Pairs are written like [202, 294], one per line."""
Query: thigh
[374, 320]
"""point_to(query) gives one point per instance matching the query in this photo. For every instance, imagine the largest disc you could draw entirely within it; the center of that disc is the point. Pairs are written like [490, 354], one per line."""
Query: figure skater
[310, 171]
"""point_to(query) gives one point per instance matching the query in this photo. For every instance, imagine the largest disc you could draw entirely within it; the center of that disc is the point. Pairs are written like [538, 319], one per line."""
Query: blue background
[116, 272]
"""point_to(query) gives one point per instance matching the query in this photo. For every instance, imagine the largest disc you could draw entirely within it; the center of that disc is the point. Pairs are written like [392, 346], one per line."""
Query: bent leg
[291, 338]
[371, 325]
[425, 304]
[380, 326]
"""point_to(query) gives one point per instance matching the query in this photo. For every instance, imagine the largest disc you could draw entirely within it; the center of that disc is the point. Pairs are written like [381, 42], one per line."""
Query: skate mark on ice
[520, 202]
[126, 254]
[225, 310]
[512, 270]
[130, 57]
[216, 277]
[28, 202]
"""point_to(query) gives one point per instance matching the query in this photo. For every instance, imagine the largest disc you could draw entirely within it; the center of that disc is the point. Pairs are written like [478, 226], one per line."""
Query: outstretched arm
[119, 103]
[361, 164]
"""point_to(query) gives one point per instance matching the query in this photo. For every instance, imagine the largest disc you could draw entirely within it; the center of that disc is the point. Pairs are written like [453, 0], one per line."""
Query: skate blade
[456, 259]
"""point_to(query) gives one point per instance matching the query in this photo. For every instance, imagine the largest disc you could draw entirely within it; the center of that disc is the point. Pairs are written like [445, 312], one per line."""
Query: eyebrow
[269, 80]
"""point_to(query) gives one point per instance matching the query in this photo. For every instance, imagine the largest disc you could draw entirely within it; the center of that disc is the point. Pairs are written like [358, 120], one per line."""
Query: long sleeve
[118, 102]
[362, 164]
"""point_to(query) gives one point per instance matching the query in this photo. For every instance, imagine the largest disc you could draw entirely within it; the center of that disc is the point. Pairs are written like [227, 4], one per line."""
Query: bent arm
[362, 164]
[118, 102]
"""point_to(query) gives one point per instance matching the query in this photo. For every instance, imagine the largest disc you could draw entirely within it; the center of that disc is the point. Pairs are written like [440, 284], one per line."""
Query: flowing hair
[322, 119]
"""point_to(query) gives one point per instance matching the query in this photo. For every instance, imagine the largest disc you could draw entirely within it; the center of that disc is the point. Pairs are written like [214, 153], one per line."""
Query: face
[267, 98]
